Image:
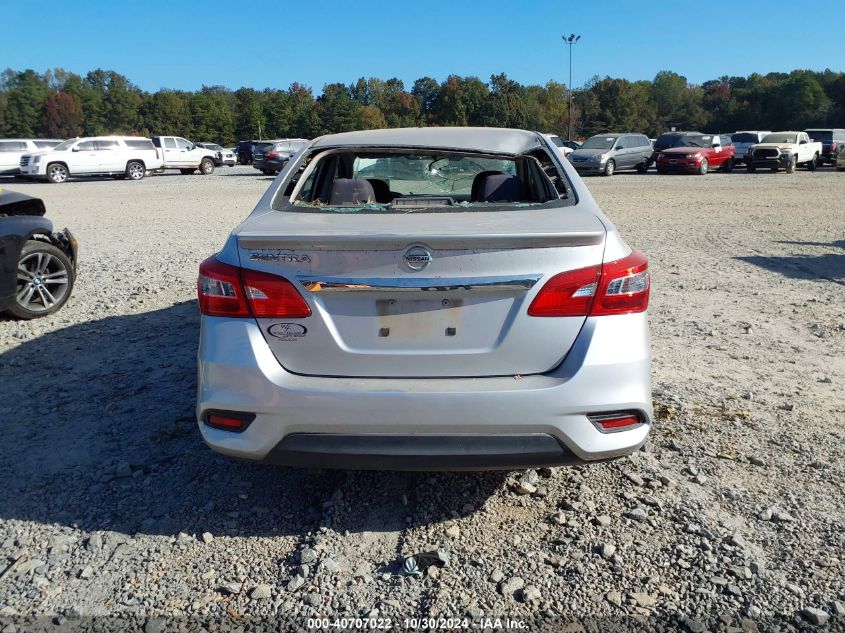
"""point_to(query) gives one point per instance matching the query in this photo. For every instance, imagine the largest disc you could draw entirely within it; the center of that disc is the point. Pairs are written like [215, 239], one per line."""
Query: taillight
[273, 296]
[617, 287]
[567, 294]
[219, 290]
[271, 155]
[833, 147]
[225, 290]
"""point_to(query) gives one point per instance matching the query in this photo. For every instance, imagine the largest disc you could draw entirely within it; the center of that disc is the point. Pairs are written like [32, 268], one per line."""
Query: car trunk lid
[421, 295]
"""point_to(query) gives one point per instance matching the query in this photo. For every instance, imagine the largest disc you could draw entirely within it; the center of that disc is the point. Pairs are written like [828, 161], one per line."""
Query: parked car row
[129, 157]
[697, 153]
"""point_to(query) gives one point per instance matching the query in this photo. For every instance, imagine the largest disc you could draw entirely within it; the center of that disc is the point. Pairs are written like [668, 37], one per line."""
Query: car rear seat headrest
[351, 191]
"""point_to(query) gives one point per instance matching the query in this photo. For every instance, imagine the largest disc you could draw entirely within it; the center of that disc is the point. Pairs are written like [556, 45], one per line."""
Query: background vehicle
[832, 141]
[606, 154]
[784, 150]
[569, 145]
[697, 155]
[11, 150]
[272, 156]
[119, 156]
[667, 140]
[223, 156]
[742, 142]
[505, 265]
[179, 153]
[37, 266]
[244, 151]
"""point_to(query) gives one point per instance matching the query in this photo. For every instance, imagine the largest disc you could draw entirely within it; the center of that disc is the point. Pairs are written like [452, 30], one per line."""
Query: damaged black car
[37, 265]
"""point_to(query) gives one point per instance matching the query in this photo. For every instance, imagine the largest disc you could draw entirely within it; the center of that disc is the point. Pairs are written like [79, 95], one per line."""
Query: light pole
[572, 39]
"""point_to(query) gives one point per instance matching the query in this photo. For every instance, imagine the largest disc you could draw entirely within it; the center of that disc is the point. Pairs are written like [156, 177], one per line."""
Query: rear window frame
[304, 163]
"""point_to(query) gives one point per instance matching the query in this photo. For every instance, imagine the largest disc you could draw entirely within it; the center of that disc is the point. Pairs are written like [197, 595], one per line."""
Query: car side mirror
[75, 149]
[620, 147]
[715, 145]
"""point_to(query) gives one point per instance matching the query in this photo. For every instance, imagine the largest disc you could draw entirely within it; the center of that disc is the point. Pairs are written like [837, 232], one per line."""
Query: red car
[698, 155]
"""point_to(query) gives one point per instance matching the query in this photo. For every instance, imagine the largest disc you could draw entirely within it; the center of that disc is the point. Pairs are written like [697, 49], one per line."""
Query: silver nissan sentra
[413, 299]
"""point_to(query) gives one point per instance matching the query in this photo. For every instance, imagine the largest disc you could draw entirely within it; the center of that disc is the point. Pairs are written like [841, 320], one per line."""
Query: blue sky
[160, 44]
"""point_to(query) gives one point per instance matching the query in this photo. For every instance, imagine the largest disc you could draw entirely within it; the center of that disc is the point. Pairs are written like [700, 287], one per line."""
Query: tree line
[63, 104]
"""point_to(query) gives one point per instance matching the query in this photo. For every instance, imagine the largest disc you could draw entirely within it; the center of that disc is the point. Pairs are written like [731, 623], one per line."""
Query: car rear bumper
[426, 423]
[269, 165]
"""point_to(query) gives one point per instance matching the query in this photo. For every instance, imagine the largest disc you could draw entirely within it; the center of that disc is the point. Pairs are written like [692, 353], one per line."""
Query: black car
[244, 151]
[37, 265]
[832, 141]
[270, 157]
[667, 140]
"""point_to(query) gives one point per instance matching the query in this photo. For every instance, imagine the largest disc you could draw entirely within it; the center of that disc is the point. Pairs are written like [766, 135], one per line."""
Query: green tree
[425, 91]
[25, 94]
[167, 113]
[337, 110]
[249, 114]
[448, 107]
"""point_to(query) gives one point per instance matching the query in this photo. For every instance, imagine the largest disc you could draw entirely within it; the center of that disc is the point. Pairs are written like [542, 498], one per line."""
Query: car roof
[30, 139]
[481, 139]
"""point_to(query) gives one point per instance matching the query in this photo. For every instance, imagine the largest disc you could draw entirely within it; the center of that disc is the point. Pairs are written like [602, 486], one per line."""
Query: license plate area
[404, 320]
[673, 161]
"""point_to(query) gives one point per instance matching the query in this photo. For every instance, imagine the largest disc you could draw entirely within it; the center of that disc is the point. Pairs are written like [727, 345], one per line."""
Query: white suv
[11, 150]
[120, 156]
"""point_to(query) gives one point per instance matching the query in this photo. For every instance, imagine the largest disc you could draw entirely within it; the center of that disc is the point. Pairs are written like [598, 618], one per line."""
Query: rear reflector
[225, 290]
[235, 421]
[617, 287]
[609, 422]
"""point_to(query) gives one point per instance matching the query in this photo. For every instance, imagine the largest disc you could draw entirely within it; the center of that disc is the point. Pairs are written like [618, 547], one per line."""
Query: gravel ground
[112, 507]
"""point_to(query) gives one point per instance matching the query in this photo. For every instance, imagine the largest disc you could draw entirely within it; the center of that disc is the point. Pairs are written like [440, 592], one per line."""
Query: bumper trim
[420, 452]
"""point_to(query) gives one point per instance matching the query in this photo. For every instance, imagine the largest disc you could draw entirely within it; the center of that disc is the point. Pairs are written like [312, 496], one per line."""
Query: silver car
[411, 299]
[605, 154]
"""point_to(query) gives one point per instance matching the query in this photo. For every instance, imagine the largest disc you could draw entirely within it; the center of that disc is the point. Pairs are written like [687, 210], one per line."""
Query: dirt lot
[111, 506]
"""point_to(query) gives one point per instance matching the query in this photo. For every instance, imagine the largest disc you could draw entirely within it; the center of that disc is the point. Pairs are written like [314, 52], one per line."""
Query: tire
[45, 280]
[728, 167]
[790, 168]
[750, 168]
[642, 167]
[57, 173]
[662, 171]
[135, 170]
[206, 166]
[267, 172]
[702, 167]
[187, 172]
[814, 163]
[610, 168]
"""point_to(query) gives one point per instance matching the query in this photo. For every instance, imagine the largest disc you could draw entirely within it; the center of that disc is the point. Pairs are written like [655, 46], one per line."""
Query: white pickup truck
[119, 156]
[179, 153]
[784, 150]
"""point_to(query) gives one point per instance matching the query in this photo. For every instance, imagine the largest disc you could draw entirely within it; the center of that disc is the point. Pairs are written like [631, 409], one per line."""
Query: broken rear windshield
[394, 181]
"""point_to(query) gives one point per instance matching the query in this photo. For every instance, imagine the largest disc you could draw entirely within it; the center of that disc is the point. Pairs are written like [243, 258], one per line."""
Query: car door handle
[347, 284]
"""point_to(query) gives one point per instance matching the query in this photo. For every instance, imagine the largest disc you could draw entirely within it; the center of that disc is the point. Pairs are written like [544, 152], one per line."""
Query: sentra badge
[273, 255]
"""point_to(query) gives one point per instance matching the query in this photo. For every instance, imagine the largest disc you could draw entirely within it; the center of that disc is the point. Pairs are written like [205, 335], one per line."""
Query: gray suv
[606, 154]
